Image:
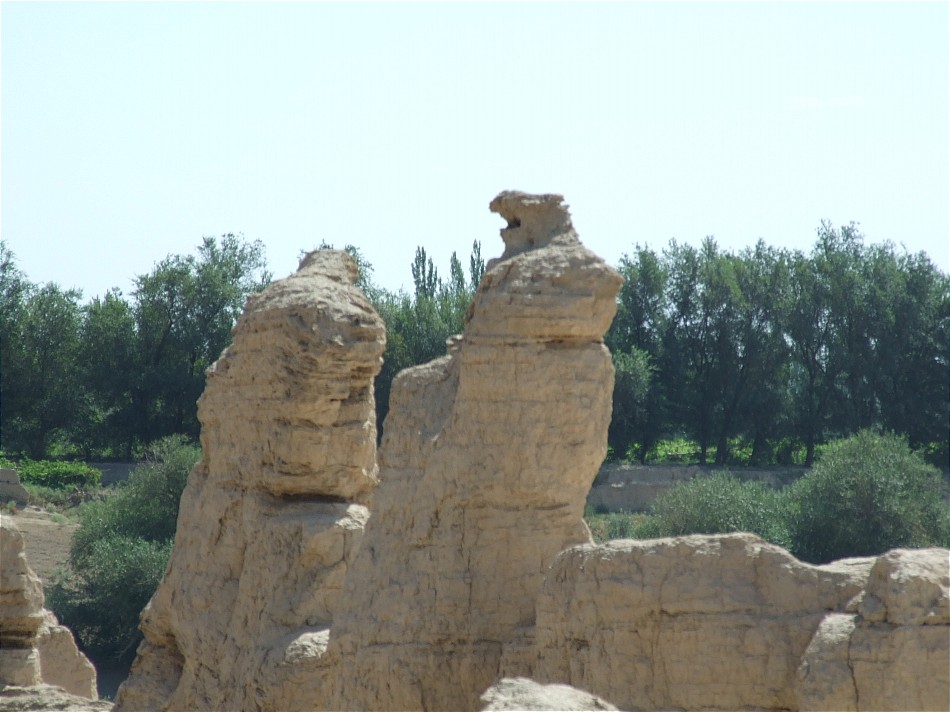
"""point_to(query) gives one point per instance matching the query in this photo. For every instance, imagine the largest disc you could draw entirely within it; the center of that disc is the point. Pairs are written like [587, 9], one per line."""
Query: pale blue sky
[129, 131]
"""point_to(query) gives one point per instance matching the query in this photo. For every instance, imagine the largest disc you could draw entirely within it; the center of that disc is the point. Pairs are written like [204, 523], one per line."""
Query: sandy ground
[46, 540]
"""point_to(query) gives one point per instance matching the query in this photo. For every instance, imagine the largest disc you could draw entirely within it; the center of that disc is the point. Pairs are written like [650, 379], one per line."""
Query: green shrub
[102, 602]
[120, 551]
[143, 507]
[52, 499]
[717, 504]
[56, 474]
[865, 495]
[616, 525]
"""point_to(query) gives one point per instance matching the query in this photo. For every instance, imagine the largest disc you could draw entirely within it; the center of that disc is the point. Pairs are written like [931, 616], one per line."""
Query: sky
[129, 131]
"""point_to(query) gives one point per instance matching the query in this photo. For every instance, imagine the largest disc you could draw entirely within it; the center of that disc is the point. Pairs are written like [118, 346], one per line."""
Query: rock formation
[891, 651]
[11, 487]
[520, 693]
[47, 698]
[34, 648]
[282, 593]
[731, 622]
[273, 513]
[487, 456]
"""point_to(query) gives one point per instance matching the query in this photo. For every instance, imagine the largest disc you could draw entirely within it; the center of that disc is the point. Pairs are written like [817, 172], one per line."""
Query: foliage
[120, 551]
[105, 377]
[771, 351]
[615, 525]
[55, 499]
[58, 475]
[143, 507]
[780, 351]
[675, 450]
[101, 602]
[183, 313]
[418, 325]
[867, 494]
[633, 376]
[718, 504]
[39, 390]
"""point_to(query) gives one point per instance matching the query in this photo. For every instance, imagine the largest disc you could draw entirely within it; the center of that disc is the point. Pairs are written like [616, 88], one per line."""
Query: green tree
[699, 353]
[909, 305]
[418, 325]
[763, 404]
[184, 311]
[638, 330]
[46, 338]
[867, 494]
[632, 385]
[810, 330]
[15, 290]
[108, 370]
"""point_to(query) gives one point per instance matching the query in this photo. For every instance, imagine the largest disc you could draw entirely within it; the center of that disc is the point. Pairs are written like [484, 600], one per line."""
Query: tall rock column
[487, 456]
[273, 513]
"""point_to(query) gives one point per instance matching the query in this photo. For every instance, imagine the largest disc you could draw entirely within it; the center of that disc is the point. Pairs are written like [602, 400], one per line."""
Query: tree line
[105, 378]
[780, 348]
[771, 348]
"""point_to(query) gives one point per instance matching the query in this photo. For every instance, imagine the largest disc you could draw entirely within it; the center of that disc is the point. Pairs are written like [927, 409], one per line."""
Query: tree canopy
[774, 349]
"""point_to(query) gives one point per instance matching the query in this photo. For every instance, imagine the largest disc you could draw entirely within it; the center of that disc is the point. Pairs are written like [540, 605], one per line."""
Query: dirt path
[46, 539]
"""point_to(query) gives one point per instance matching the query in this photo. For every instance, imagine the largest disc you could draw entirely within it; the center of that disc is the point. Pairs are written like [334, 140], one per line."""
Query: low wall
[622, 487]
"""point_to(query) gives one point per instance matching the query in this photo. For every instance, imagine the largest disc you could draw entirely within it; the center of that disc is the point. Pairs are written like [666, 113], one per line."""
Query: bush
[717, 504]
[617, 525]
[143, 507]
[102, 602]
[120, 551]
[55, 474]
[865, 495]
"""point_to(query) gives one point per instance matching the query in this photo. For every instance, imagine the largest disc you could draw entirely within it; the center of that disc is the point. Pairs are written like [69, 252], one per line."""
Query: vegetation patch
[119, 554]
[867, 494]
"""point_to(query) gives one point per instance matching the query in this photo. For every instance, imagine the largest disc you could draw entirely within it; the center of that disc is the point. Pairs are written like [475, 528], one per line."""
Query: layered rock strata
[273, 513]
[487, 456]
[731, 622]
[34, 649]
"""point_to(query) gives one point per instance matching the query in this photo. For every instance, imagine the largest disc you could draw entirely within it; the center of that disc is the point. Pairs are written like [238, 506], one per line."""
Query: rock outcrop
[11, 487]
[487, 456]
[476, 567]
[34, 648]
[47, 698]
[520, 693]
[273, 513]
[893, 651]
[731, 622]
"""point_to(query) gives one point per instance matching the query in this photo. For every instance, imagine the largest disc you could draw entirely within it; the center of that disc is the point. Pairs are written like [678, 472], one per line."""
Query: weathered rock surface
[520, 693]
[283, 594]
[731, 622]
[34, 648]
[272, 515]
[893, 652]
[698, 622]
[11, 487]
[487, 456]
[47, 698]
